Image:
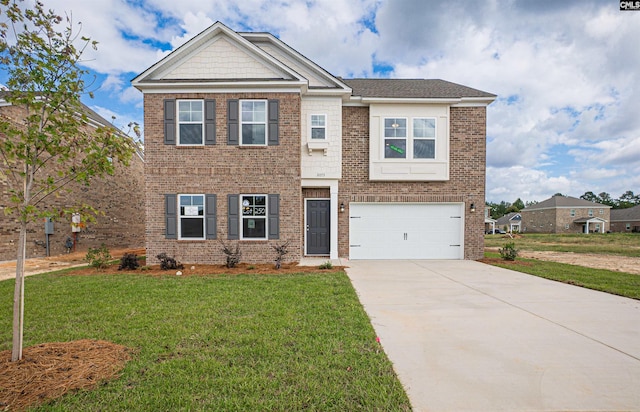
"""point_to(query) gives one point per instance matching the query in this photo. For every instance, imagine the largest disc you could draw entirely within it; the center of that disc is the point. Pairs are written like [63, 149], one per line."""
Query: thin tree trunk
[18, 296]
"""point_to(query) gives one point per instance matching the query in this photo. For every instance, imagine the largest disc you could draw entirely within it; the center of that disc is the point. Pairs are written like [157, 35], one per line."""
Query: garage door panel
[405, 231]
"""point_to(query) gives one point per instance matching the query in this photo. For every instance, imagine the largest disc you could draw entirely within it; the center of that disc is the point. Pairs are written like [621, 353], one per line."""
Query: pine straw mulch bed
[204, 270]
[50, 370]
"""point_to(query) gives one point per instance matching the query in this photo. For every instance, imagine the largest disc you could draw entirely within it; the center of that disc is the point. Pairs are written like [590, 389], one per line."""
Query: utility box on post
[48, 226]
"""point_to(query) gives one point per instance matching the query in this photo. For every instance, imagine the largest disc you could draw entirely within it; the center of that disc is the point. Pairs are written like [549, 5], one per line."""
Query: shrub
[98, 257]
[233, 256]
[326, 265]
[509, 251]
[281, 250]
[129, 261]
[167, 262]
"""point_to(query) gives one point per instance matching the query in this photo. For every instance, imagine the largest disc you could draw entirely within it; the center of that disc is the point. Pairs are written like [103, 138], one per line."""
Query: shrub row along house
[119, 199]
[248, 141]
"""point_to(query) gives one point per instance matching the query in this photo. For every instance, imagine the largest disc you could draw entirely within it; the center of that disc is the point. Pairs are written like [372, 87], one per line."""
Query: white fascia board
[327, 92]
[474, 102]
[402, 100]
[226, 87]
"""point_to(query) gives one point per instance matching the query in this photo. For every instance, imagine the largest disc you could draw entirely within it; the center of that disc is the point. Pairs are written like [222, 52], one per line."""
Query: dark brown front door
[318, 224]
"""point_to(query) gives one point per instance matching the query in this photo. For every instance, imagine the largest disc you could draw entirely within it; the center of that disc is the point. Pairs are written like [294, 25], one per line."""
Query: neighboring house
[489, 223]
[511, 222]
[248, 141]
[118, 198]
[625, 220]
[565, 214]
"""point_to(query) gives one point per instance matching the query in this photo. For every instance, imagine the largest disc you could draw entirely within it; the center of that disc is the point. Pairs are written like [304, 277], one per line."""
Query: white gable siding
[221, 60]
[317, 165]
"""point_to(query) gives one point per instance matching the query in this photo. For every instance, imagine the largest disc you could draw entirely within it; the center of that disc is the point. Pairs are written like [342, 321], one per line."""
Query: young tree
[51, 146]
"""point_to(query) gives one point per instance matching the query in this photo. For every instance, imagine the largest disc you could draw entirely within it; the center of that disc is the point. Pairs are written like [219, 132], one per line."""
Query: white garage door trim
[406, 231]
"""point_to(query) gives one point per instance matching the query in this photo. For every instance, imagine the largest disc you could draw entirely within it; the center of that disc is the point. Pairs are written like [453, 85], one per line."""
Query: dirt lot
[616, 263]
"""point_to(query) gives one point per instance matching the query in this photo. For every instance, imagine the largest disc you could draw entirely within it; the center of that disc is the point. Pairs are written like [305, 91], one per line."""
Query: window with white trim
[424, 138]
[254, 216]
[253, 122]
[318, 126]
[590, 212]
[395, 138]
[191, 217]
[416, 142]
[190, 122]
[628, 226]
[601, 211]
[573, 212]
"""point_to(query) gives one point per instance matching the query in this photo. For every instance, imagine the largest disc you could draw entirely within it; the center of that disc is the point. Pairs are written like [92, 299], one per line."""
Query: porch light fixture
[342, 207]
[472, 209]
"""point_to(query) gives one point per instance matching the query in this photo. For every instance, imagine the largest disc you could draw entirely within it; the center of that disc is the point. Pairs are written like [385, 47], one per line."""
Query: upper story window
[395, 138]
[573, 212]
[190, 122]
[318, 126]
[424, 138]
[590, 212]
[415, 142]
[191, 217]
[602, 211]
[253, 122]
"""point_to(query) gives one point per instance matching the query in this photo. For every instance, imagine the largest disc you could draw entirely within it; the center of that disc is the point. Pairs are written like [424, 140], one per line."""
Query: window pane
[253, 134]
[317, 133]
[395, 127]
[317, 120]
[190, 134]
[395, 148]
[254, 111]
[424, 149]
[254, 228]
[191, 227]
[424, 127]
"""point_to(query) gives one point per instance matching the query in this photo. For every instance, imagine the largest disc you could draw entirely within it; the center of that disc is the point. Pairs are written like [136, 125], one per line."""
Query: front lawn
[617, 283]
[623, 244]
[228, 343]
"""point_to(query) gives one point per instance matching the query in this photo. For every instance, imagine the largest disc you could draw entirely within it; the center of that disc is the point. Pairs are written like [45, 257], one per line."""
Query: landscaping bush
[509, 251]
[167, 262]
[98, 257]
[129, 261]
[281, 250]
[233, 256]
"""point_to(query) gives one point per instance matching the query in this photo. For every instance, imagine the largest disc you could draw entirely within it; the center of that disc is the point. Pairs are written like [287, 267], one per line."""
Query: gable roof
[564, 202]
[628, 215]
[252, 60]
[506, 219]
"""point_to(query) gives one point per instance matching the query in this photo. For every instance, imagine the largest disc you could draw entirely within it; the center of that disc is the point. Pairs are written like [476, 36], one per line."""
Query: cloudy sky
[567, 118]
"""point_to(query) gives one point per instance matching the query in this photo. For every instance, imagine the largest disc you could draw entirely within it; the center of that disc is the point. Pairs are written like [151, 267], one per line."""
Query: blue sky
[566, 72]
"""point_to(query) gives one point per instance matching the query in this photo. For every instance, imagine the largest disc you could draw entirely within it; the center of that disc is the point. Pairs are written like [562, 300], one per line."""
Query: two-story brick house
[565, 214]
[248, 141]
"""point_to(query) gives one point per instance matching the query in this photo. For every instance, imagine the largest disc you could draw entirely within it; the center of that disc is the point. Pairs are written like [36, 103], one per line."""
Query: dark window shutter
[210, 216]
[209, 122]
[170, 121]
[233, 213]
[274, 216]
[274, 120]
[233, 126]
[170, 217]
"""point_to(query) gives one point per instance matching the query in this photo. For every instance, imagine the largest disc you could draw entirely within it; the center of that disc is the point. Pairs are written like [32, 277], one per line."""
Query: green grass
[227, 343]
[617, 283]
[622, 244]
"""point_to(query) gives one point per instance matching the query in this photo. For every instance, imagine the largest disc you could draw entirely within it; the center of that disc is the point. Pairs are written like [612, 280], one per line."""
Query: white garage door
[406, 231]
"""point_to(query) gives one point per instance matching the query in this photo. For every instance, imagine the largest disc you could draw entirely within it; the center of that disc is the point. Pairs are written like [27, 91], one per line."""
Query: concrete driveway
[465, 336]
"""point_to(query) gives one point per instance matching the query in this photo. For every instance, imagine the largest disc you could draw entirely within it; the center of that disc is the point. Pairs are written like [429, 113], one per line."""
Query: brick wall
[466, 183]
[119, 197]
[556, 220]
[222, 170]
